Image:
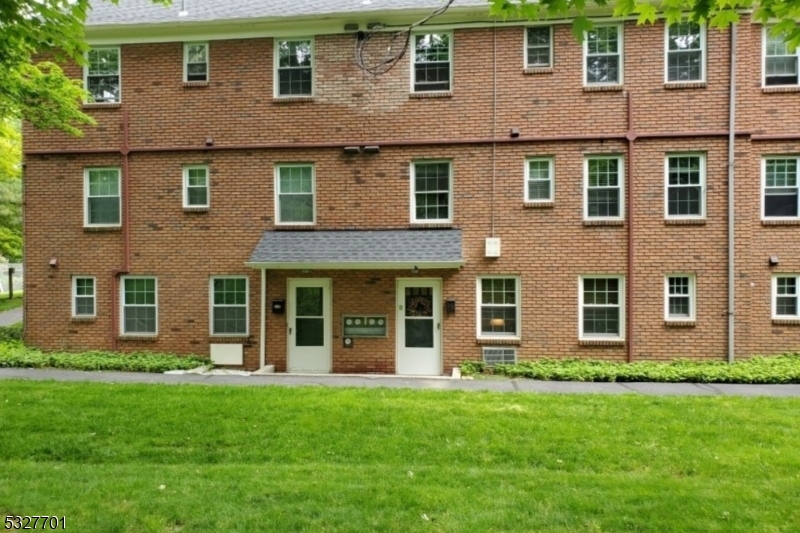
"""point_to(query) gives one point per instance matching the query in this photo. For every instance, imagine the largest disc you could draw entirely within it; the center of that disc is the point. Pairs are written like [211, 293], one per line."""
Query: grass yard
[7, 304]
[155, 458]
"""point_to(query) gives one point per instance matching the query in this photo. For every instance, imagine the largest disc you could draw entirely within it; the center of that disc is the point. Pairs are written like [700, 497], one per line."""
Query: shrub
[11, 333]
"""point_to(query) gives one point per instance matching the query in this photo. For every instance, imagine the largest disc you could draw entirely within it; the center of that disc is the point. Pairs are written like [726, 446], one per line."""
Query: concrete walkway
[403, 382]
[13, 316]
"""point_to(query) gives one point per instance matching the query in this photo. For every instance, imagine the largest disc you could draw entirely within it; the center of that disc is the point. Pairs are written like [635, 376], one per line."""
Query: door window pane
[419, 333]
[309, 301]
[310, 331]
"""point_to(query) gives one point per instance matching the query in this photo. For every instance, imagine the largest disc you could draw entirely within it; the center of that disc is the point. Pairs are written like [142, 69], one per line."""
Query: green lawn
[157, 458]
[13, 303]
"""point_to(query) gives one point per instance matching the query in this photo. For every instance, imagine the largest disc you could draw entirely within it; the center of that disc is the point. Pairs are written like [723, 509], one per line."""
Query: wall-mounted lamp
[352, 150]
[497, 322]
[514, 133]
[450, 306]
[415, 270]
[372, 149]
[54, 262]
[209, 141]
[773, 260]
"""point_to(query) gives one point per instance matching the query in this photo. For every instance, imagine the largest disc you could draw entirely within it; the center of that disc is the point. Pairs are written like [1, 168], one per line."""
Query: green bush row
[784, 368]
[11, 333]
[13, 354]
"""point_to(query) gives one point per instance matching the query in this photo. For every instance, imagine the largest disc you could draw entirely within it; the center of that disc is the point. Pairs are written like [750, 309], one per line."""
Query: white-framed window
[780, 63]
[499, 306]
[102, 74]
[84, 296]
[229, 297]
[139, 301]
[603, 182]
[294, 67]
[781, 185]
[785, 295]
[195, 186]
[685, 189]
[539, 179]
[195, 62]
[102, 205]
[294, 197]
[602, 307]
[602, 52]
[539, 47]
[679, 297]
[432, 66]
[431, 191]
[685, 52]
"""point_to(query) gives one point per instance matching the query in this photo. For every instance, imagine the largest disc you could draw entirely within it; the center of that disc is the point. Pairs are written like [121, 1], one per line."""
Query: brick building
[504, 190]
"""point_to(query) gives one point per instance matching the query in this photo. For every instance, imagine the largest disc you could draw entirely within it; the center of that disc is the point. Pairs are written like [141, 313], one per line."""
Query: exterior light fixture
[54, 262]
[372, 149]
[352, 150]
[209, 141]
[415, 270]
[514, 133]
[773, 260]
[450, 306]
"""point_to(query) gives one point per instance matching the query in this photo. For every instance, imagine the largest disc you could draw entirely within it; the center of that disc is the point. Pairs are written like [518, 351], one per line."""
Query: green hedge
[13, 354]
[783, 368]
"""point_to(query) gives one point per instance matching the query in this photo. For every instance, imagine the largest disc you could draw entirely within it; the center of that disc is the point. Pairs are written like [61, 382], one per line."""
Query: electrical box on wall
[493, 247]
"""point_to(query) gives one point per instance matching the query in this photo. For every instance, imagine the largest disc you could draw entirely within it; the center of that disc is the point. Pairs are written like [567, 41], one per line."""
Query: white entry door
[308, 312]
[419, 324]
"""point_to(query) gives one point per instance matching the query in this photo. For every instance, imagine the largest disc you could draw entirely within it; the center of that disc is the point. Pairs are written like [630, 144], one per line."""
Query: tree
[10, 190]
[716, 13]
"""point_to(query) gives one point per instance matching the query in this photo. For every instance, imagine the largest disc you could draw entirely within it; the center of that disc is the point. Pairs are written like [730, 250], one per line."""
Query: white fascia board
[365, 265]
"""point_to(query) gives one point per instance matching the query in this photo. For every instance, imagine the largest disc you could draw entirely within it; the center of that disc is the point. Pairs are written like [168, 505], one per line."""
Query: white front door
[309, 326]
[419, 324]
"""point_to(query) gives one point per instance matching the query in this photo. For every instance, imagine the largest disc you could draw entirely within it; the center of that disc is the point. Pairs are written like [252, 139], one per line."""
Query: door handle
[290, 331]
[439, 325]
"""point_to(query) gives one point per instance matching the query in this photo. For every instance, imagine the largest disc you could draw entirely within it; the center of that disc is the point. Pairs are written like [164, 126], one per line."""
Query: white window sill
[603, 88]
[432, 94]
[82, 319]
[680, 323]
[138, 337]
[684, 222]
[98, 229]
[604, 222]
[781, 89]
[780, 222]
[537, 70]
[508, 341]
[787, 321]
[602, 342]
[195, 209]
[676, 85]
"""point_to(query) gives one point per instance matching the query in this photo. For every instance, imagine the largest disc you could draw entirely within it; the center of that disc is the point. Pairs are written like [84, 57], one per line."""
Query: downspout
[262, 350]
[125, 150]
[494, 120]
[731, 200]
[631, 137]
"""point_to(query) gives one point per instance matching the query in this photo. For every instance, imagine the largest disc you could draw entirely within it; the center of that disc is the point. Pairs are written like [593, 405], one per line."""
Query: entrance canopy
[358, 250]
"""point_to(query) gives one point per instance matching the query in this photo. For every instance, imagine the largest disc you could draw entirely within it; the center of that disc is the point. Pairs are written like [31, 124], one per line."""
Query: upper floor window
[102, 74]
[603, 177]
[602, 48]
[83, 296]
[539, 179]
[685, 52]
[432, 62]
[781, 188]
[195, 186]
[785, 296]
[602, 312]
[780, 64]
[686, 180]
[431, 192]
[139, 305]
[102, 197]
[229, 305]
[539, 47]
[195, 62]
[499, 309]
[679, 297]
[294, 65]
[294, 198]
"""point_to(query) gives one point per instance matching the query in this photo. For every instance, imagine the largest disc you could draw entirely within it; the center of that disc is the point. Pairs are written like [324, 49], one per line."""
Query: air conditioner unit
[499, 356]
[227, 354]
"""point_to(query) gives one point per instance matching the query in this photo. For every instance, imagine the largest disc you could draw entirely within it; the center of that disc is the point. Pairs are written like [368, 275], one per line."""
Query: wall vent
[496, 356]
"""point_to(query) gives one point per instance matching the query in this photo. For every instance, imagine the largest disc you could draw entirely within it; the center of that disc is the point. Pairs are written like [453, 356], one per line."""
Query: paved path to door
[13, 316]
[401, 382]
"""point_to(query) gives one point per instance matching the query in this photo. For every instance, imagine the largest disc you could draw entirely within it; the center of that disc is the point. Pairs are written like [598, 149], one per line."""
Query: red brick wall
[548, 248]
